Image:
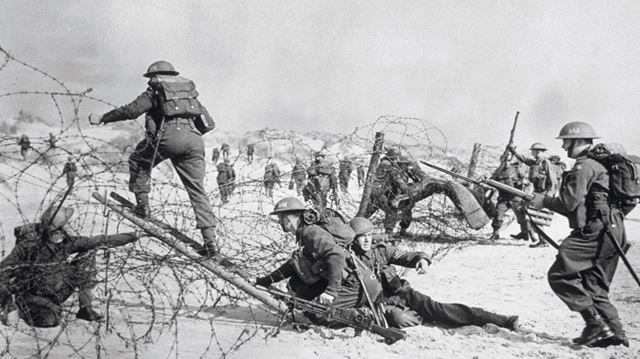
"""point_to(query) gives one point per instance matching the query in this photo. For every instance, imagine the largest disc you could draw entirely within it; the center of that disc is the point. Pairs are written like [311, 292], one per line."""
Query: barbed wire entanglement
[148, 292]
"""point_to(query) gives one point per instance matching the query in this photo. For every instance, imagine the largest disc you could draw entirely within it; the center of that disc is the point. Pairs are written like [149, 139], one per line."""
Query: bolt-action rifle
[506, 155]
[348, 316]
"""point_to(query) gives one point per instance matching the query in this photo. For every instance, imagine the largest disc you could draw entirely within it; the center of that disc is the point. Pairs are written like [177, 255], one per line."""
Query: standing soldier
[215, 155]
[174, 127]
[322, 179]
[559, 167]
[271, 177]
[225, 178]
[70, 170]
[225, 151]
[250, 150]
[586, 261]
[24, 144]
[344, 173]
[52, 140]
[361, 174]
[515, 176]
[542, 178]
[40, 276]
[298, 176]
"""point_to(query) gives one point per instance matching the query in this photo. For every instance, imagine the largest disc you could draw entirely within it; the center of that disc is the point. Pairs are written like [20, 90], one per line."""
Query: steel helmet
[538, 146]
[361, 225]
[577, 129]
[57, 221]
[287, 205]
[160, 68]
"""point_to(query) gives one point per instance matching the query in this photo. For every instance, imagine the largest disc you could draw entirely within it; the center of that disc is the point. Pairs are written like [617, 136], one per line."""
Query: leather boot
[521, 235]
[619, 336]
[209, 246]
[89, 315]
[596, 331]
[142, 209]
[485, 317]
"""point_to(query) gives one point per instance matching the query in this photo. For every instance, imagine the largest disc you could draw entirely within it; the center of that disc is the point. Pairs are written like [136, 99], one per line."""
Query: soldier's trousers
[71, 179]
[585, 265]
[518, 208]
[300, 183]
[268, 186]
[391, 215]
[42, 307]
[408, 302]
[182, 144]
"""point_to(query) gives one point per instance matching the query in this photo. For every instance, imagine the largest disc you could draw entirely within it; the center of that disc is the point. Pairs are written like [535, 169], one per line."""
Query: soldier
[52, 140]
[39, 275]
[271, 177]
[298, 176]
[391, 180]
[560, 168]
[315, 269]
[70, 170]
[542, 177]
[405, 306]
[226, 178]
[515, 176]
[250, 150]
[215, 155]
[361, 174]
[322, 179]
[225, 150]
[173, 131]
[24, 144]
[344, 173]
[586, 261]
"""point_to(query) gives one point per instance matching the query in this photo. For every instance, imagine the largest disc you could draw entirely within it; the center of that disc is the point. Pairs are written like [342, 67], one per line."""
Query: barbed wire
[146, 289]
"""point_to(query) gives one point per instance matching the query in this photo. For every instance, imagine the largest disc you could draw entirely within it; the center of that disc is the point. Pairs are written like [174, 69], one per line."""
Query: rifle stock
[506, 155]
[348, 316]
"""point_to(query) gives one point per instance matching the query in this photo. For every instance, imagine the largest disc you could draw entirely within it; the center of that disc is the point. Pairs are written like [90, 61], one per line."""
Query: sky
[465, 66]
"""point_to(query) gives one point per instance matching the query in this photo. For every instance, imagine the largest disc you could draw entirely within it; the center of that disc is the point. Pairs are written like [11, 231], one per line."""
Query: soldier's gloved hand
[326, 298]
[95, 119]
[421, 266]
[264, 281]
[537, 202]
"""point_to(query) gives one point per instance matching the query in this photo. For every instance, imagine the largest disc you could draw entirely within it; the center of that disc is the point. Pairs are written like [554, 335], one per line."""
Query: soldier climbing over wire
[175, 122]
[38, 276]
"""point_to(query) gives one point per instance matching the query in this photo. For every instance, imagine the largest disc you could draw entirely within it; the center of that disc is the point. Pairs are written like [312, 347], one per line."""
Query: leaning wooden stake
[371, 172]
[473, 164]
[231, 278]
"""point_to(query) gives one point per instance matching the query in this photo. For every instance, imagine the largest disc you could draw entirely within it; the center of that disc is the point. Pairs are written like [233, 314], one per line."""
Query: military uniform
[344, 173]
[250, 150]
[37, 272]
[405, 306]
[586, 261]
[226, 180]
[271, 177]
[390, 181]
[542, 175]
[322, 179]
[70, 170]
[53, 141]
[515, 176]
[225, 151]
[24, 144]
[215, 155]
[298, 177]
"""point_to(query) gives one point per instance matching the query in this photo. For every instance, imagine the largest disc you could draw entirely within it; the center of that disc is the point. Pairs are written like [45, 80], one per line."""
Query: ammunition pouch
[307, 270]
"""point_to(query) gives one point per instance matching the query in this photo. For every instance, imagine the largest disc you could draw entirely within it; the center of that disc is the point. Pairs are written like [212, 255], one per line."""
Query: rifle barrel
[451, 173]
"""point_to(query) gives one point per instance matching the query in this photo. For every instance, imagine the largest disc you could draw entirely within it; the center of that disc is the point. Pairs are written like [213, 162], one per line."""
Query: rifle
[485, 183]
[348, 316]
[506, 155]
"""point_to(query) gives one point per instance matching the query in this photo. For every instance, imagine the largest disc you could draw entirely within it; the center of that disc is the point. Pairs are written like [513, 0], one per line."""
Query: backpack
[623, 169]
[333, 222]
[178, 97]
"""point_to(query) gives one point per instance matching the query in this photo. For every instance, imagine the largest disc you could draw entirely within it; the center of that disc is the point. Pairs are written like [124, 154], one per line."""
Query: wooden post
[371, 172]
[474, 160]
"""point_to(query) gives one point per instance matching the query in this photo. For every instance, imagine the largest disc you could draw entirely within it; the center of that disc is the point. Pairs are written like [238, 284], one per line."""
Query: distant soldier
[226, 177]
[24, 144]
[271, 177]
[542, 177]
[361, 174]
[344, 173]
[321, 179]
[70, 170]
[586, 262]
[515, 176]
[215, 155]
[298, 176]
[391, 180]
[559, 166]
[53, 141]
[225, 150]
[250, 150]
[39, 274]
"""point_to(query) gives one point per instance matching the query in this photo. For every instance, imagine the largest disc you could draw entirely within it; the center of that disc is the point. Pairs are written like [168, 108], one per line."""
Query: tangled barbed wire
[146, 290]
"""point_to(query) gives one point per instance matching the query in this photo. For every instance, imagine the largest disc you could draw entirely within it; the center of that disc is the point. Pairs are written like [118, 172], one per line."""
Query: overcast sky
[466, 66]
